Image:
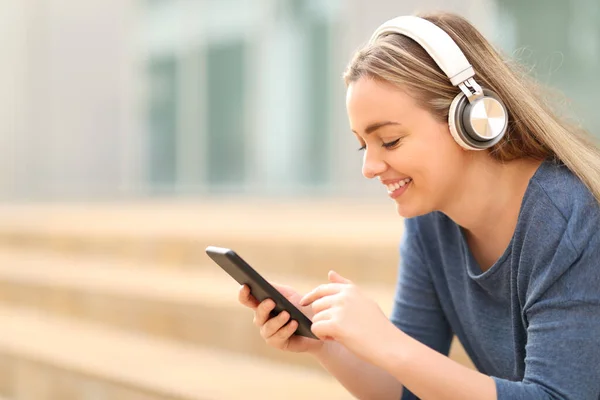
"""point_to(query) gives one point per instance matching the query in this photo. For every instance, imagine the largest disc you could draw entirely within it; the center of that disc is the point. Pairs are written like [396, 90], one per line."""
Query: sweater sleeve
[563, 334]
[417, 310]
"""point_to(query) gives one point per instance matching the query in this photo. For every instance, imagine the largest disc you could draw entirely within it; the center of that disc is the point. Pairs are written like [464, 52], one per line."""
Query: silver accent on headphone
[488, 118]
[471, 89]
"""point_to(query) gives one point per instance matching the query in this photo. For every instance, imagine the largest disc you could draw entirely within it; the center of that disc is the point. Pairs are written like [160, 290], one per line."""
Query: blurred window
[162, 126]
[319, 81]
[226, 134]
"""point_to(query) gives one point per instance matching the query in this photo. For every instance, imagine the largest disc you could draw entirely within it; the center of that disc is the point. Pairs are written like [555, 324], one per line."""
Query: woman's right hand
[276, 331]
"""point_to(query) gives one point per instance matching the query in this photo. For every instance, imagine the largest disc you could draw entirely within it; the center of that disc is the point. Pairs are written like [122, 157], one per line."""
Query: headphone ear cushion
[455, 122]
[459, 122]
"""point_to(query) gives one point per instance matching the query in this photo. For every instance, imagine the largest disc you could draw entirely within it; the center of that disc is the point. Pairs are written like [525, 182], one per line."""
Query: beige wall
[69, 113]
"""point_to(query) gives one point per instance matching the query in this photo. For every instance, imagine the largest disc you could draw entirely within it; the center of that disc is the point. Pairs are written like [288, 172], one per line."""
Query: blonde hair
[535, 131]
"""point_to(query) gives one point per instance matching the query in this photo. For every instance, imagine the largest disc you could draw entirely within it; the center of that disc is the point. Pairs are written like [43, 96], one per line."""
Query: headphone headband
[440, 46]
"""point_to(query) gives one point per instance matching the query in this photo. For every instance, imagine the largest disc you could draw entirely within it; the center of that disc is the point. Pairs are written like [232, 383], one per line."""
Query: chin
[410, 212]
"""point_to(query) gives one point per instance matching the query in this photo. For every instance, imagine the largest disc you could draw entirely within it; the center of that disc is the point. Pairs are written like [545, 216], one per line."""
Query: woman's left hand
[345, 314]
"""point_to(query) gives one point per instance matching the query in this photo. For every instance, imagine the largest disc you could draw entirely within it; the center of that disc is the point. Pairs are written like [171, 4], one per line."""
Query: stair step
[198, 306]
[302, 238]
[52, 357]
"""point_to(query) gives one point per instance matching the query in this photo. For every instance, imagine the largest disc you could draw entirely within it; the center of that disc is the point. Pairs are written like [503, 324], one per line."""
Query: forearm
[431, 375]
[365, 381]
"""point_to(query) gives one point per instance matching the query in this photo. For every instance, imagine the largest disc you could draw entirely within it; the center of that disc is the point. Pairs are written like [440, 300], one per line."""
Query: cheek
[443, 152]
[435, 161]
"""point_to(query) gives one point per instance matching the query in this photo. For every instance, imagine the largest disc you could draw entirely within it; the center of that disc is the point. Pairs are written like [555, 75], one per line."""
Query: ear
[334, 277]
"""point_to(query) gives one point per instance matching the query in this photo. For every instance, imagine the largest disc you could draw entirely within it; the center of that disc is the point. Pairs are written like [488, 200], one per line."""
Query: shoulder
[559, 202]
[557, 240]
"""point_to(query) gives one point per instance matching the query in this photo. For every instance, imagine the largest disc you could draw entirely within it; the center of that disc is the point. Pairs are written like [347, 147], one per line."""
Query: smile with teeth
[398, 185]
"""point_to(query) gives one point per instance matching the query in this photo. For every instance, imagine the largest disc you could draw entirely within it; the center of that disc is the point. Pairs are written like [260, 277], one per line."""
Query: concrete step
[195, 306]
[44, 357]
[307, 239]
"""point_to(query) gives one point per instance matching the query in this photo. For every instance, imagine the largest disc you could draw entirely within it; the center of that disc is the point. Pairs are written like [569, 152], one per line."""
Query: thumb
[337, 278]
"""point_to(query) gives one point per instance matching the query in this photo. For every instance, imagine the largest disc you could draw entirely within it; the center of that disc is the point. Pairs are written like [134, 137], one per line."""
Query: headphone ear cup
[463, 116]
[455, 122]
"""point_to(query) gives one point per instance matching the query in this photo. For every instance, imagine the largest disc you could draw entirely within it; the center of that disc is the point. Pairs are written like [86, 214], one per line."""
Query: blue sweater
[532, 321]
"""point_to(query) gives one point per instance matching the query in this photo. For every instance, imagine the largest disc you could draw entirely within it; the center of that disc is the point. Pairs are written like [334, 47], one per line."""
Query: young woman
[501, 205]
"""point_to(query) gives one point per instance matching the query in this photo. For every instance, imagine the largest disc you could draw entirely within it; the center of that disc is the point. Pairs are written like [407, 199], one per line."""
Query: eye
[390, 144]
[363, 147]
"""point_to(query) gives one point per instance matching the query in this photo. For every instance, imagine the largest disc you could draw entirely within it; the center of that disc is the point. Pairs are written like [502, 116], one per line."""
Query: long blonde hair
[535, 131]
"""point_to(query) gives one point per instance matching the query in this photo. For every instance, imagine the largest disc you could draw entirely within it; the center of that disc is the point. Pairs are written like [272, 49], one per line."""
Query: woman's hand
[344, 314]
[278, 331]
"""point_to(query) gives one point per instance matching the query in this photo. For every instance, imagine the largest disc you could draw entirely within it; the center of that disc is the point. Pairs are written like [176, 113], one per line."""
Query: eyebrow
[374, 126]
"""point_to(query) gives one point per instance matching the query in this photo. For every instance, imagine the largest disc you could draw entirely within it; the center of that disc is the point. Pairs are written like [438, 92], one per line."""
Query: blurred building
[110, 99]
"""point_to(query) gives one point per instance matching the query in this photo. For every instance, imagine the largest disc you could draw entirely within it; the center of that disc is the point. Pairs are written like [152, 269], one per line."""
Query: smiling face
[403, 142]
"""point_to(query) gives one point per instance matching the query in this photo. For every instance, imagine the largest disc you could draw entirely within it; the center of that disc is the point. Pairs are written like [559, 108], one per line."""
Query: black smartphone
[244, 274]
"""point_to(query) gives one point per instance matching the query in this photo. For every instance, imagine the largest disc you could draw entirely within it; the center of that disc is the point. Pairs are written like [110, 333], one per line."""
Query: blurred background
[136, 133]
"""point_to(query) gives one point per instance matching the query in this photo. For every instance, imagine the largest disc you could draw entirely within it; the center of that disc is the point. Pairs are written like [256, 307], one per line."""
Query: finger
[246, 298]
[262, 312]
[325, 330]
[274, 324]
[324, 303]
[337, 278]
[281, 338]
[320, 291]
[323, 316]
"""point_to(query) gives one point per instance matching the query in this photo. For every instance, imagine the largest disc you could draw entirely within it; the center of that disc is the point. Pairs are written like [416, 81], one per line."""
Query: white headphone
[477, 117]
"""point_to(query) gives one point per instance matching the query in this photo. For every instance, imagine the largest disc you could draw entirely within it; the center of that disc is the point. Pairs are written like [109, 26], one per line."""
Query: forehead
[372, 99]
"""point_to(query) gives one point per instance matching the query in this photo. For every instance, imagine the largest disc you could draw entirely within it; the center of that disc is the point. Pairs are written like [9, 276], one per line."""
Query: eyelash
[387, 145]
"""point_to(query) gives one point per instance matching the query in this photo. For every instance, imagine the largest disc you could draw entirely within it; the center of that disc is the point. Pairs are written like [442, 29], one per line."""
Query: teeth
[398, 185]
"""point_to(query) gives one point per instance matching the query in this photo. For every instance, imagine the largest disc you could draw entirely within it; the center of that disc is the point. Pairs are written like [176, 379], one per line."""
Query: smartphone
[244, 274]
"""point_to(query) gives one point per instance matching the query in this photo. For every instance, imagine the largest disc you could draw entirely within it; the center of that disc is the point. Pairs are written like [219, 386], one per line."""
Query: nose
[373, 164]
